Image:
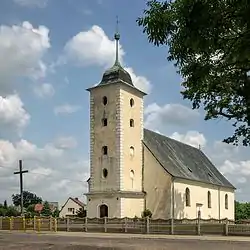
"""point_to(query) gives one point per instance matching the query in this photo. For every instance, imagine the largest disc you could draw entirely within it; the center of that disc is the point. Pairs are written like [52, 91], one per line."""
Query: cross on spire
[117, 38]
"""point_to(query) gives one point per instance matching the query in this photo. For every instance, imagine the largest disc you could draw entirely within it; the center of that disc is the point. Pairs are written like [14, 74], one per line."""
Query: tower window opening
[104, 122]
[131, 151]
[105, 150]
[105, 100]
[132, 102]
[105, 173]
[132, 123]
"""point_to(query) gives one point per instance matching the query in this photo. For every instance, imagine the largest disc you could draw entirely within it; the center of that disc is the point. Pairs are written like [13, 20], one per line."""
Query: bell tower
[116, 133]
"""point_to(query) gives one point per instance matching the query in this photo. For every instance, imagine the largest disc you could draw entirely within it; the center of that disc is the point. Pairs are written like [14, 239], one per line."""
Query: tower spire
[117, 38]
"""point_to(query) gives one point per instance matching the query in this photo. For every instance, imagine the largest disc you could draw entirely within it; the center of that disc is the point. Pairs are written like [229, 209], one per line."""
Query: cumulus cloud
[12, 113]
[22, 48]
[32, 3]
[171, 114]
[93, 47]
[66, 109]
[65, 142]
[44, 90]
[192, 138]
[47, 166]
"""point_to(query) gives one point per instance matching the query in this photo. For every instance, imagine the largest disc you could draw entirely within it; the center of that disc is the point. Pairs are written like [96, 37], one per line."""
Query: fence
[127, 225]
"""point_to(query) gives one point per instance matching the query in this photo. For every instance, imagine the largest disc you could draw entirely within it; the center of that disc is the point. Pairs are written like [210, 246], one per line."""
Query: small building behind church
[133, 168]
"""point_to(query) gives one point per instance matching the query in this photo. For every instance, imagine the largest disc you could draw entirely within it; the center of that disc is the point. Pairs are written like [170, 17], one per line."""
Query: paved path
[77, 241]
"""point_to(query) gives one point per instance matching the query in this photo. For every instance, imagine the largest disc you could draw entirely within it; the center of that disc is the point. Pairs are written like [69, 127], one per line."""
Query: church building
[133, 168]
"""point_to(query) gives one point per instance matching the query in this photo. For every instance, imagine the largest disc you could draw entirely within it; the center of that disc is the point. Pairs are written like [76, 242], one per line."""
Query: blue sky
[55, 49]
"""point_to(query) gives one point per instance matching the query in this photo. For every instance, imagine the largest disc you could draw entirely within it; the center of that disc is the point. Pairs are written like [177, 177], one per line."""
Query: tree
[5, 204]
[208, 41]
[46, 211]
[55, 213]
[146, 213]
[81, 213]
[28, 199]
[242, 211]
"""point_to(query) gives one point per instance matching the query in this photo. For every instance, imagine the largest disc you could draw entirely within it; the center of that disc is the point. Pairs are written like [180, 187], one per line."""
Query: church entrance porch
[103, 211]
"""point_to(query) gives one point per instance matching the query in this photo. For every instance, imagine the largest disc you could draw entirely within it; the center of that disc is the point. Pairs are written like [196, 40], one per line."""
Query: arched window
[226, 201]
[105, 150]
[187, 194]
[131, 151]
[131, 123]
[104, 122]
[105, 100]
[105, 173]
[132, 102]
[209, 199]
[104, 211]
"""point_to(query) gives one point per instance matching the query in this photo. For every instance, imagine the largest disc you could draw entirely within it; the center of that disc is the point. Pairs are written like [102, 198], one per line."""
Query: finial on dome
[117, 38]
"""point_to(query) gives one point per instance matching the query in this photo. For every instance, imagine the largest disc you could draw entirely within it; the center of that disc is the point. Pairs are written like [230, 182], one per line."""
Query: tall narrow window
[132, 102]
[187, 194]
[105, 100]
[131, 151]
[226, 201]
[131, 123]
[104, 150]
[209, 199]
[104, 122]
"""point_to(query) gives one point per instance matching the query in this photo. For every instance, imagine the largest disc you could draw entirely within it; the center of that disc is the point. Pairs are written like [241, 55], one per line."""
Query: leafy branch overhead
[209, 43]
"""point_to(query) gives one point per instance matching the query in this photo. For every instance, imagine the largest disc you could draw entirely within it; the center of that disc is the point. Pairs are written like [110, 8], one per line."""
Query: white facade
[70, 208]
[212, 201]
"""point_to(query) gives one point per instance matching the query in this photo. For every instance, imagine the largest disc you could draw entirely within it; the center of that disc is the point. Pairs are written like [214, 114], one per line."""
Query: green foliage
[81, 213]
[46, 211]
[28, 199]
[8, 211]
[146, 213]
[242, 211]
[55, 213]
[209, 43]
[5, 204]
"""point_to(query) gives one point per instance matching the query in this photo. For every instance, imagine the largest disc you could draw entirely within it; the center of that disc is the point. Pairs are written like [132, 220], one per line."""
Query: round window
[105, 173]
[105, 100]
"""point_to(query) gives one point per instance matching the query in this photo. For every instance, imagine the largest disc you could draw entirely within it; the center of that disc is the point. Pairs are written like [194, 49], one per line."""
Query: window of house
[209, 199]
[187, 194]
[71, 210]
[226, 201]
[131, 151]
[131, 123]
[132, 102]
[105, 173]
[105, 100]
[105, 150]
[104, 122]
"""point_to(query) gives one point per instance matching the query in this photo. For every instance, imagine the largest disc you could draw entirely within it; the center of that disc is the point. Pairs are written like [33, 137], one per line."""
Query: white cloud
[170, 114]
[22, 48]
[54, 173]
[32, 3]
[66, 109]
[93, 47]
[65, 142]
[236, 168]
[193, 138]
[12, 113]
[44, 90]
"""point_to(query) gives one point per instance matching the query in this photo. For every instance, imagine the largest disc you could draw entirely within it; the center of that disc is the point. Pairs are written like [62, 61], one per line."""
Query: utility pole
[21, 172]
